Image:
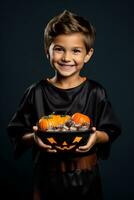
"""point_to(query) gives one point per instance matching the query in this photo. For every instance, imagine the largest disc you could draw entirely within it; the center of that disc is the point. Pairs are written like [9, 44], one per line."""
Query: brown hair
[68, 23]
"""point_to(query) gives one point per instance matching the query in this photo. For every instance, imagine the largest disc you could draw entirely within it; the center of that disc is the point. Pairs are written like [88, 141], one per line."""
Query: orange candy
[80, 118]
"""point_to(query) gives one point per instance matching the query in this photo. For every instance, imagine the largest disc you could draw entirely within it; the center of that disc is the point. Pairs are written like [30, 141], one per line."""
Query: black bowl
[65, 140]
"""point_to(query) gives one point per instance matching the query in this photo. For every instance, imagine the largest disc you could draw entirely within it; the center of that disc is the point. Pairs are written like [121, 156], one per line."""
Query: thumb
[35, 128]
[93, 129]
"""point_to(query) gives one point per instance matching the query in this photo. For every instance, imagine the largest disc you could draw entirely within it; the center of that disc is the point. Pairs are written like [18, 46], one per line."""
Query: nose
[66, 57]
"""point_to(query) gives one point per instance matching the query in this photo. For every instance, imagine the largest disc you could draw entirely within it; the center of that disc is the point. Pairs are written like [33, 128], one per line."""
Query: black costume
[43, 98]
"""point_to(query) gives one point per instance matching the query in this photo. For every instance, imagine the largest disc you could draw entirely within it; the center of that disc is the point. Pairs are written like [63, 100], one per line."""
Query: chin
[66, 74]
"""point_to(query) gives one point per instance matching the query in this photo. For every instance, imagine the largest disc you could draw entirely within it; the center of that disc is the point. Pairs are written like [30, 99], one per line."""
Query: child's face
[67, 54]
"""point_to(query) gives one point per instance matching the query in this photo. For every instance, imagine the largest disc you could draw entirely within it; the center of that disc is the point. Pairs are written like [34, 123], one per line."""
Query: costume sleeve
[22, 122]
[107, 121]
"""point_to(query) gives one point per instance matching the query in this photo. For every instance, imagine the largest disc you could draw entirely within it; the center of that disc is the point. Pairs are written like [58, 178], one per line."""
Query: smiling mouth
[66, 66]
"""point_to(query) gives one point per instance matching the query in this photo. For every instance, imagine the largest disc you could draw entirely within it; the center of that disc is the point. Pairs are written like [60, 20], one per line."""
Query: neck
[66, 82]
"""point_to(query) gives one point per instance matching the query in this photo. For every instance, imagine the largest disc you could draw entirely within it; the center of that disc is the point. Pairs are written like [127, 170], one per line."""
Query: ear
[88, 55]
[47, 55]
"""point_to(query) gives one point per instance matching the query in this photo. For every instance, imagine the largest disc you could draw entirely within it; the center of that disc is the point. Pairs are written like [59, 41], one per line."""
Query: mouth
[66, 66]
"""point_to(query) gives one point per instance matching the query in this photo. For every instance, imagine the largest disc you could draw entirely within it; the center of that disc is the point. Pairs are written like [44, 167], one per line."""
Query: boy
[69, 41]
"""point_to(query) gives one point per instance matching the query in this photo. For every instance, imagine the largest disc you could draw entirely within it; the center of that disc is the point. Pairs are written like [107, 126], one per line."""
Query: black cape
[43, 98]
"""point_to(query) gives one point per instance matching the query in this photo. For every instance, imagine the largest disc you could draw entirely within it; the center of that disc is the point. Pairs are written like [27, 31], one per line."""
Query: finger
[82, 150]
[35, 128]
[51, 150]
[89, 144]
[42, 145]
[93, 129]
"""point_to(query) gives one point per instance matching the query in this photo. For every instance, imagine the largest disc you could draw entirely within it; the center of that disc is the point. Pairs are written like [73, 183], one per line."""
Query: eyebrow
[75, 47]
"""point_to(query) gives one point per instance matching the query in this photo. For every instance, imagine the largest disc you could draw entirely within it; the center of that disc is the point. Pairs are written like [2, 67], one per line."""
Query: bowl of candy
[64, 132]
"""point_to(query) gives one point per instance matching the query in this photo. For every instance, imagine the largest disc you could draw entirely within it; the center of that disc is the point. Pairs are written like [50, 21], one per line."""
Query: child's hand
[39, 142]
[91, 142]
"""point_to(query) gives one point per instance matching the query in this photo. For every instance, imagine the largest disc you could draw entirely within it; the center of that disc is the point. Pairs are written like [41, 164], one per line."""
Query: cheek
[80, 62]
[55, 57]
[80, 59]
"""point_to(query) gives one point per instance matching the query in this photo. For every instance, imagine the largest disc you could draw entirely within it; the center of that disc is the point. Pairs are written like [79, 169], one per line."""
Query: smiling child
[69, 44]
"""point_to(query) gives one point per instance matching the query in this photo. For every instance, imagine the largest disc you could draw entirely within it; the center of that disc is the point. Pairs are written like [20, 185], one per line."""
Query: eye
[76, 51]
[58, 49]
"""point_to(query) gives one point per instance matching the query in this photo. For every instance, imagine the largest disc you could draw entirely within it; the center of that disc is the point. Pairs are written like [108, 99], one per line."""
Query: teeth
[67, 65]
